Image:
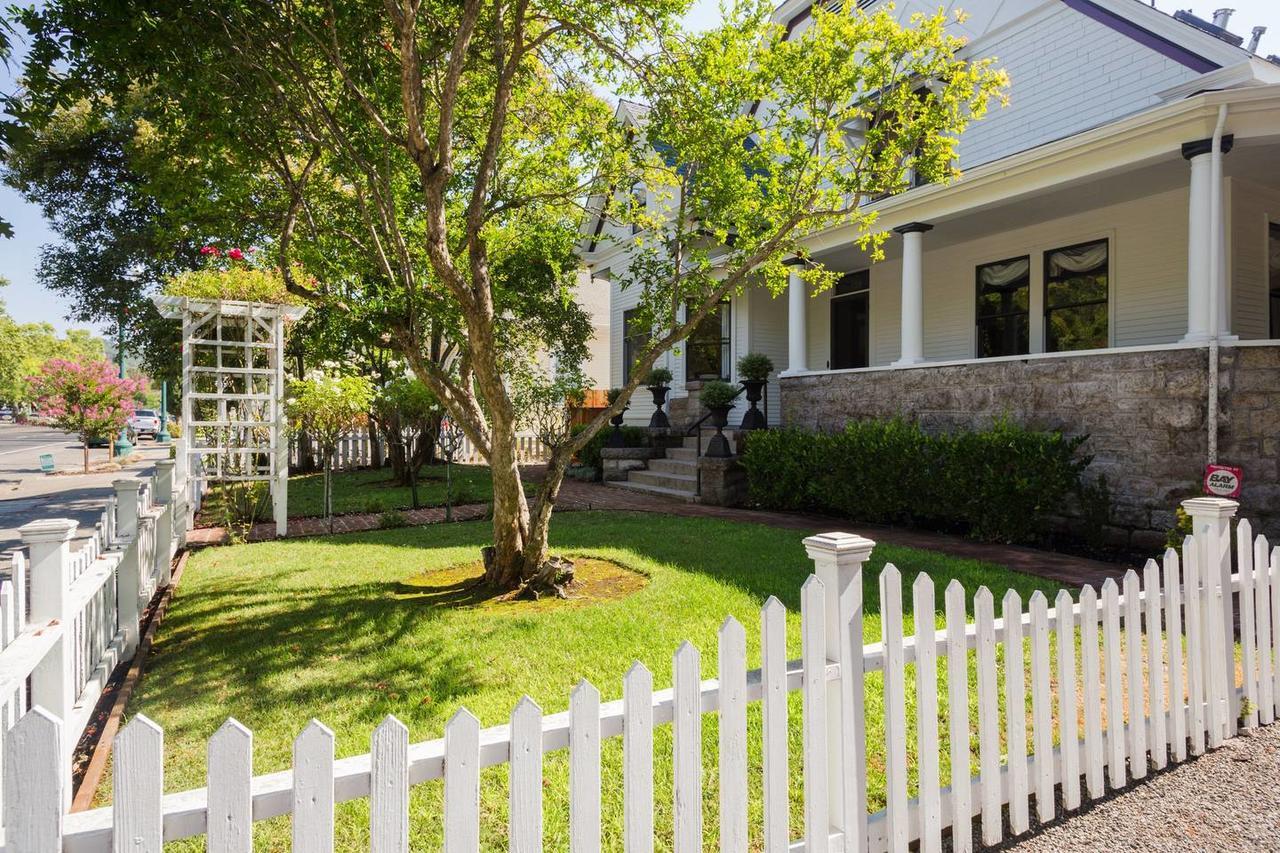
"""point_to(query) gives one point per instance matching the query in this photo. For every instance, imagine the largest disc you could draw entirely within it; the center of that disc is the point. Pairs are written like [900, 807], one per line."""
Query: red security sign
[1222, 481]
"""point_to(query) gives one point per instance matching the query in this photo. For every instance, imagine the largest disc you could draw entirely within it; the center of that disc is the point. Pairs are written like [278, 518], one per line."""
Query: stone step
[678, 494]
[674, 466]
[682, 454]
[678, 482]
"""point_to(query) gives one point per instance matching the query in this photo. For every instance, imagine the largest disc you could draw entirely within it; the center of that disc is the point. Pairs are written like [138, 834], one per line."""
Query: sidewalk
[576, 495]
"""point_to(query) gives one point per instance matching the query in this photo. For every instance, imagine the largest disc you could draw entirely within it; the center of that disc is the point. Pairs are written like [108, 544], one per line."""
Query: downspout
[1215, 277]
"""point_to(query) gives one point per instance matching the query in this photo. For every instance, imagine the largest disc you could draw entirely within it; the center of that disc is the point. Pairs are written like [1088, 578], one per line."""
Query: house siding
[1067, 73]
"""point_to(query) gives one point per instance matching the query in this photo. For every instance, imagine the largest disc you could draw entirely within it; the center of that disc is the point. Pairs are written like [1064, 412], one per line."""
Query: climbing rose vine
[84, 397]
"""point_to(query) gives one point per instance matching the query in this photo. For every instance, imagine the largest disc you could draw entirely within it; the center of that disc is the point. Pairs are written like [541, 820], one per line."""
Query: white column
[912, 293]
[1211, 524]
[837, 561]
[48, 544]
[797, 322]
[164, 481]
[1198, 249]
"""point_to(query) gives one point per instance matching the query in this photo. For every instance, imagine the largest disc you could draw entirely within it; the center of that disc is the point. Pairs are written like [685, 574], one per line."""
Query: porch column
[1199, 240]
[912, 292]
[797, 322]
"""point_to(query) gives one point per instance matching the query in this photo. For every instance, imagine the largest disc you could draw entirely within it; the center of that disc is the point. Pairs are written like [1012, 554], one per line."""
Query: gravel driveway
[1225, 800]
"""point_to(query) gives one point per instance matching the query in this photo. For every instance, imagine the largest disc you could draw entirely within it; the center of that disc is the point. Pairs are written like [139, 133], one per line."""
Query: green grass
[276, 633]
[374, 490]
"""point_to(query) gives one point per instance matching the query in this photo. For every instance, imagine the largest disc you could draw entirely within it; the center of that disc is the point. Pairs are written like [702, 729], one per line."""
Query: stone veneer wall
[1144, 413]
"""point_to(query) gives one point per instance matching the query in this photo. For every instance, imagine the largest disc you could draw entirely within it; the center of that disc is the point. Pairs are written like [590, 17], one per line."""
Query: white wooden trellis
[233, 421]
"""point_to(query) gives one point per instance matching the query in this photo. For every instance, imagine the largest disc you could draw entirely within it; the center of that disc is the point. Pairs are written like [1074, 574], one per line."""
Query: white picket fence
[1144, 677]
[68, 618]
[357, 451]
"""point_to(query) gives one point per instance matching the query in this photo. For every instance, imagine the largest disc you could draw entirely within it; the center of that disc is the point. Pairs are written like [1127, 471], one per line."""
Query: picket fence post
[838, 559]
[1211, 524]
[48, 543]
[127, 508]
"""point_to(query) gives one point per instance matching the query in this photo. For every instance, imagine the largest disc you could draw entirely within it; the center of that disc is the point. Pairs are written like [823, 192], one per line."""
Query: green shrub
[754, 366]
[392, 519]
[717, 393]
[658, 376]
[998, 484]
[589, 456]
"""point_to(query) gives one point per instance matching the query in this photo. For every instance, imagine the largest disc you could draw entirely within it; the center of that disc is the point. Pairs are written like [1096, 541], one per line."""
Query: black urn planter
[718, 446]
[753, 418]
[615, 438]
[659, 419]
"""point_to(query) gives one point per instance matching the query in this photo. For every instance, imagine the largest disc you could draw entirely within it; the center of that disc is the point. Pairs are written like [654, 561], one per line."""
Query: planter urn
[718, 446]
[615, 437]
[753, 418]
[659, 419]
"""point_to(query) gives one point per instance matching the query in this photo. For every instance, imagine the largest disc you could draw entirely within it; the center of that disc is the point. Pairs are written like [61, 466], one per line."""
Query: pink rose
[210, 250]
[236, 255]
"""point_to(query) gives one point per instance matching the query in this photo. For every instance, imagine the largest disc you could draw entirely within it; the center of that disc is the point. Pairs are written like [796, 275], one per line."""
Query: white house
[1078, 275]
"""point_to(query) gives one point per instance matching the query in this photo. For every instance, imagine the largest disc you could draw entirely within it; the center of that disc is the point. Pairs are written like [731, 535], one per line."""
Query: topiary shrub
[657, 377]
[717, 393]
[754, 367]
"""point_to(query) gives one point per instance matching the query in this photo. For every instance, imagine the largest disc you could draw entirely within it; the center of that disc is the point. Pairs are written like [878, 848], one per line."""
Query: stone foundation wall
[1144, 413]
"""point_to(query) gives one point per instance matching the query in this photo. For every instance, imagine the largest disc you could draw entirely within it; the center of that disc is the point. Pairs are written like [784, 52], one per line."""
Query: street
[27, 494]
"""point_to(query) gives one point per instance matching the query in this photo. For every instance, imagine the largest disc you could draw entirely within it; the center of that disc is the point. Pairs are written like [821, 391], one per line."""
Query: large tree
[453, 146]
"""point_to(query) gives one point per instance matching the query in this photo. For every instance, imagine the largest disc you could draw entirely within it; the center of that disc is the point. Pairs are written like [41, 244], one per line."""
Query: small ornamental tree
[327, 406]
[84, 397]
[414, 411]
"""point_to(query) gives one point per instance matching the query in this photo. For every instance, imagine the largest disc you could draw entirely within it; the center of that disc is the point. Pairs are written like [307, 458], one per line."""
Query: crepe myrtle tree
[87, 398]
[457, 144]
[326, 405]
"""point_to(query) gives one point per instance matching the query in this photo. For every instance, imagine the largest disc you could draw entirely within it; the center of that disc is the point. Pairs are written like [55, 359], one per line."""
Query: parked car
[7, 415]
[145, 422]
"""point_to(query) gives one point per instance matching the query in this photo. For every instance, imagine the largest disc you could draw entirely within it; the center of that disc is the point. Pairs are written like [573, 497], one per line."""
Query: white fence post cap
[131, 484]
[166, 463]
[49, 530]
[843, 547]
[1211, 507]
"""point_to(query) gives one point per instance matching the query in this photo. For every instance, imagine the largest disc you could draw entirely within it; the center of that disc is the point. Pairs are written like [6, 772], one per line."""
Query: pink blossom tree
[87, 398]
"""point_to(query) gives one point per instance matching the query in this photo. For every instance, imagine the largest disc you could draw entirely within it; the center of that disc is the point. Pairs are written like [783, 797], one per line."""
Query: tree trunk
[85, 442]
[505, 558]
[328, 489]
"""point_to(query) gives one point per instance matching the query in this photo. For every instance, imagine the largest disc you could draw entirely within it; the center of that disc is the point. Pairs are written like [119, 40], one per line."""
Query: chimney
[1221, 17]
[1257, 37]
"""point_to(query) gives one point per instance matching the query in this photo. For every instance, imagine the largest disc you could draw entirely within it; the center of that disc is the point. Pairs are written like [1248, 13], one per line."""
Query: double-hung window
[1004, 304]
[635, 337]
[1075, 297]
[850, 315]
[708, 345]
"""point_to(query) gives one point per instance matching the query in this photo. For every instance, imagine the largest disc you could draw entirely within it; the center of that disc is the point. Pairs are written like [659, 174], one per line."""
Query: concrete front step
[678, 482]
[687, 466]
[633, 486]
[687, 455]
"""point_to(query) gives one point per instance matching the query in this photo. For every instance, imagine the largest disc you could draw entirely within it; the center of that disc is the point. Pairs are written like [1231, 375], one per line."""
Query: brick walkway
[576, 496]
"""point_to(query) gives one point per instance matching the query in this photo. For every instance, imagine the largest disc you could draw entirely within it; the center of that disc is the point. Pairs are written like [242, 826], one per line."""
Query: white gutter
[1215, 277]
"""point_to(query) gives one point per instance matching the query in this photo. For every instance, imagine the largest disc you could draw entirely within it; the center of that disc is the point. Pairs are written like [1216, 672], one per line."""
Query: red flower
[236, 255]
[210, 250]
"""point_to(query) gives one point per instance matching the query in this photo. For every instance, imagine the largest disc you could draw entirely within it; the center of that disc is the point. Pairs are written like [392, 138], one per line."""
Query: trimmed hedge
[998, 484]
[589, 456]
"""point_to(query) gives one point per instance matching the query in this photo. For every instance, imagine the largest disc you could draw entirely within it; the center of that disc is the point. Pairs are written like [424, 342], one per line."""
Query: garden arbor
[233, 421]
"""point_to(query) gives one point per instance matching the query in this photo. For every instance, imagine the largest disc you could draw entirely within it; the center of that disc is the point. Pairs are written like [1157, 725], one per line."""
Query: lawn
[351, 628]
[374, 490]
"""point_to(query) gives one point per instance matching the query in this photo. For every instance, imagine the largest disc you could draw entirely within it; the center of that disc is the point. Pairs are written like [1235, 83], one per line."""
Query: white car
[145, 422]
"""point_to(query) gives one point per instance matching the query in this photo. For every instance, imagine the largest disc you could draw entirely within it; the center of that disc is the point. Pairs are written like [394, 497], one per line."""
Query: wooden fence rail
[1123, 652]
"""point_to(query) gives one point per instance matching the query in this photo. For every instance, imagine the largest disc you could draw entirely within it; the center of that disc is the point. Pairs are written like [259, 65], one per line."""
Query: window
[1004, 297]
[707, 354]
[1273, 276]
[635, 337]
[1075, 297]
[850, 320]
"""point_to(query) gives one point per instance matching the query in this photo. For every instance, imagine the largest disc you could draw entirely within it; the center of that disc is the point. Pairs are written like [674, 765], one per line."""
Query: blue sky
[28, 302]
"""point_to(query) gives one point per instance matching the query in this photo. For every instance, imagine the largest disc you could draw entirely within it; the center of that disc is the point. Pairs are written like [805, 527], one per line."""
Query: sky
[28, 302]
